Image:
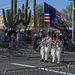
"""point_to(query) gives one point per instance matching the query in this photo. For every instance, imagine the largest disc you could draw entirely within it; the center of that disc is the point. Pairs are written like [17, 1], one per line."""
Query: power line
[30, 1]
[4, 4]
[19, 2]
[9, 3]
[9, 6]
[4, 8]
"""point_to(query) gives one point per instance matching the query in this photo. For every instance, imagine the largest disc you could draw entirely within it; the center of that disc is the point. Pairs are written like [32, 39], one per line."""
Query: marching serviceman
[42, 49]
[45, 47]
[48, 45]
[59, 46]
[53, 50]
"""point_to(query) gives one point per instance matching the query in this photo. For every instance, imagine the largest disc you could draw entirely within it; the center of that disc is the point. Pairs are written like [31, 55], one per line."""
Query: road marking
[46, 69]
[23, 65]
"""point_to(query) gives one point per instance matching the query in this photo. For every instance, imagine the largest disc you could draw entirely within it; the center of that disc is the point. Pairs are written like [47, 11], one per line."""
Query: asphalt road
[29, 62]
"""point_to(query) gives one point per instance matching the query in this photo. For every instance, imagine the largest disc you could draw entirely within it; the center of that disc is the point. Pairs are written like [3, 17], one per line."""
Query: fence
[71, 69]
[46, 70]
[60, 69]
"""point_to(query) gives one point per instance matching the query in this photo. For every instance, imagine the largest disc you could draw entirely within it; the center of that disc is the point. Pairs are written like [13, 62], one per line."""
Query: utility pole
[73, 21]
[35, 17]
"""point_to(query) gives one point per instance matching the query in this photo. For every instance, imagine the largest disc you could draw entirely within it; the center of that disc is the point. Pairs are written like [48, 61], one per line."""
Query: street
[33, 61]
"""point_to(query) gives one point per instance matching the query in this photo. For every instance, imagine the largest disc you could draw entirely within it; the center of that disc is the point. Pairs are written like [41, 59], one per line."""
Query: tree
[67, 13]
[40, 16]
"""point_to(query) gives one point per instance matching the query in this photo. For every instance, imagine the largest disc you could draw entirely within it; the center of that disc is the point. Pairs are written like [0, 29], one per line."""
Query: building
[2, 26]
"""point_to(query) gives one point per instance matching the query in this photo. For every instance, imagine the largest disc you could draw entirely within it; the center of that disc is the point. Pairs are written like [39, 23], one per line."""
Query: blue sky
[58, 4]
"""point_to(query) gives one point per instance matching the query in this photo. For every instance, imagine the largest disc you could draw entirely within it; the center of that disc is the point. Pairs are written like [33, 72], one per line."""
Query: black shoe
[42, 60]
[48, 57]
[45, 61]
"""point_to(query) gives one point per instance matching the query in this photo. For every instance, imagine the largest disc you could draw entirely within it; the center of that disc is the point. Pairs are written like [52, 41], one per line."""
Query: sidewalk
[72, 52]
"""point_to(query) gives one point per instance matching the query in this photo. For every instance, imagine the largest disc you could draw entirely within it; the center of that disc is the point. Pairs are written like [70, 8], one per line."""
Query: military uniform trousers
[44, 53]
[58, 54]
[53, 54]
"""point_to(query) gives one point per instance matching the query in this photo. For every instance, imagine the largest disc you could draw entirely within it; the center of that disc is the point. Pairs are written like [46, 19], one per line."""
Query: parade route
[46, 69]
[7, 63]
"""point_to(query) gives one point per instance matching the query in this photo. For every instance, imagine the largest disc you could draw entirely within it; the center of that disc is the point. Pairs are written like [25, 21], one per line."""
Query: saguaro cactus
[14, 7]
[8, 16]
[25, 15]
[12, 18]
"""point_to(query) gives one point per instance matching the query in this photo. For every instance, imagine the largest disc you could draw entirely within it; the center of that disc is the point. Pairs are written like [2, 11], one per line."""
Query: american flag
[46, 18]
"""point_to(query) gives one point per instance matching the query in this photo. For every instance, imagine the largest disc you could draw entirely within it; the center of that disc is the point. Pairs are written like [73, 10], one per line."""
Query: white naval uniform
[59, 45]
[45, 48]
[53, 51]
[53, 54]
[49, 40]
[42, 49]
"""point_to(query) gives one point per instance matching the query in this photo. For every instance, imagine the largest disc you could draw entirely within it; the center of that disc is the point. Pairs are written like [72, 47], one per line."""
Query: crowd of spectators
[16, 37]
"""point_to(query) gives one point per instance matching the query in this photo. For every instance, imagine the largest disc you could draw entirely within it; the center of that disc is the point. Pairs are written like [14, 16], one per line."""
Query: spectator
[6, 38]
[2, 34]
[35, 44]
[14, 41]
[19, 39]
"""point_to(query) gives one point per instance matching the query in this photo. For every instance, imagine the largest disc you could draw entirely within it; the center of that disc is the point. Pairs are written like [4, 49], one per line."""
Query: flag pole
[44, 11]
[73, 20]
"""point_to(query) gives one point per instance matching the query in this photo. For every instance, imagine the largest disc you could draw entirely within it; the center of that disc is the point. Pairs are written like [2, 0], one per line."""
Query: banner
[54, 18]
